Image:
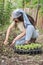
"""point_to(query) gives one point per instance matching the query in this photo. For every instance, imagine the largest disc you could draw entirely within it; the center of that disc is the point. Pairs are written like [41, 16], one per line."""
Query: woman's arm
[8, 32]
[19, 36]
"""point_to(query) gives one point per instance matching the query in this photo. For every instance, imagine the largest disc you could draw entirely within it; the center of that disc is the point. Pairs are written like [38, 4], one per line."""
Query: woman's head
[20, 15]
[17, 16]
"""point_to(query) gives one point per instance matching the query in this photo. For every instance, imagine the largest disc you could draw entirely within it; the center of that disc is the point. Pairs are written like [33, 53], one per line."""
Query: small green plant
[29, 46]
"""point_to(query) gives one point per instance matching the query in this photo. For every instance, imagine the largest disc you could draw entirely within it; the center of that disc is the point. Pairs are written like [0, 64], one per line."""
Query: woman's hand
[5, 42]
[12, 43]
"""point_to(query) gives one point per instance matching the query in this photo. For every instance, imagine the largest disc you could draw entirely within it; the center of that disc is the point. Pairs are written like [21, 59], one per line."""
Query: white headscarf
[16, 13]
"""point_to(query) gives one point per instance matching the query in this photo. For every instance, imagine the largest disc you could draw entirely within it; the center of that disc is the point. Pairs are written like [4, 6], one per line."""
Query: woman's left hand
[12, 43]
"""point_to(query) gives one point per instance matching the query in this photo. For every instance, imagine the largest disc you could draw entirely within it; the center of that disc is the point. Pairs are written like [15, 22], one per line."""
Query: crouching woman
[28, 34]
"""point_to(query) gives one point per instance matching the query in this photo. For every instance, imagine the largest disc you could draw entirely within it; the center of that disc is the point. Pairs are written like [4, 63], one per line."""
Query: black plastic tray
[35, 51]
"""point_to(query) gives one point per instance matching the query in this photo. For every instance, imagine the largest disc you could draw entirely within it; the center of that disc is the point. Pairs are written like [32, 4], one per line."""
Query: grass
[41, 31]
[4, 28]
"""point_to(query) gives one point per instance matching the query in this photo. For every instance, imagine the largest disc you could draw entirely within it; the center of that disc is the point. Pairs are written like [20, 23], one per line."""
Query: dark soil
[8, 57]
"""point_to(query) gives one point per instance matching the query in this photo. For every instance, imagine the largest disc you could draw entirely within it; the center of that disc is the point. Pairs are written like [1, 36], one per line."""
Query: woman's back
[31, 19]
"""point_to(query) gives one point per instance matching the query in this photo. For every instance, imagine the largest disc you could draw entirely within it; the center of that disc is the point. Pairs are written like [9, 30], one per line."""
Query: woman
[28, 34]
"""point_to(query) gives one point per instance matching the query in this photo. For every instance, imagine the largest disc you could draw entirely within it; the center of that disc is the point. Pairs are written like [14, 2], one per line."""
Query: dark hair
[20, 18]
[29, 17]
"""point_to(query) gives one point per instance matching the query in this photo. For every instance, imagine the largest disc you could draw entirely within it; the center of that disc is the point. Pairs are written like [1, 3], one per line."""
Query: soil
[8, 57]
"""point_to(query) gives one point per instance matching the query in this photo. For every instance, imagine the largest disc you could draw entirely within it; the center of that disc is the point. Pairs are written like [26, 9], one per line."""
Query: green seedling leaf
[29, 46]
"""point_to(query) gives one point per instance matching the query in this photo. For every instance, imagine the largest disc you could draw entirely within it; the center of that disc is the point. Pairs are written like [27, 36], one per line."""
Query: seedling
[29, 46]
[32, 48]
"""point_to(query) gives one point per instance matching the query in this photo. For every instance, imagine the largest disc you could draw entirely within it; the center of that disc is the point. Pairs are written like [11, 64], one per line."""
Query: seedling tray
[28, 49]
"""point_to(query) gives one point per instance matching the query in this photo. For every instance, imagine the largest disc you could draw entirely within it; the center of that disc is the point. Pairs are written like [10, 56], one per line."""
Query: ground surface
[8, 57]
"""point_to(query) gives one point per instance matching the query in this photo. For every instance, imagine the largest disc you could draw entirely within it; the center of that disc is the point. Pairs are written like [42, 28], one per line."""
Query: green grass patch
[4, 27]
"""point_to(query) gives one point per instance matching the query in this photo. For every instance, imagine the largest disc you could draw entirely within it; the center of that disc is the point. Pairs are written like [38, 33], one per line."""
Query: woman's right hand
[5, 42]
